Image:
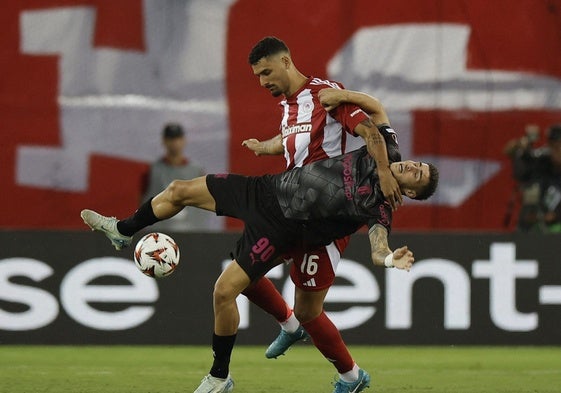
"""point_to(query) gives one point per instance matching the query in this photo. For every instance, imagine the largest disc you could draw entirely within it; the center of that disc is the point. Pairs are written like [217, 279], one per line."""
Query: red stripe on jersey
[315, 148]
[341, 244]
[290, 146]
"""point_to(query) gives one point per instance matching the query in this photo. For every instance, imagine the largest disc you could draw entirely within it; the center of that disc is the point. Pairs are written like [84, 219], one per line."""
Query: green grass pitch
[147, 369]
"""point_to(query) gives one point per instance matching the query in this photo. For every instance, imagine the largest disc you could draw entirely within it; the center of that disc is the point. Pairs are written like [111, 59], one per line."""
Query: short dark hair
[266, 47]
[172, 131]
[427, 191]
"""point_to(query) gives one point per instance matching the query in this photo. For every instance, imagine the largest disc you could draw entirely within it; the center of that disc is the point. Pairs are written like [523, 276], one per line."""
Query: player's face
[273, 74]
[410, 175]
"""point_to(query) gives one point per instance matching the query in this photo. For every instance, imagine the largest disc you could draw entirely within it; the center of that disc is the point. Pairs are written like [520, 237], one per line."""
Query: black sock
[141, 218]
[222, 347]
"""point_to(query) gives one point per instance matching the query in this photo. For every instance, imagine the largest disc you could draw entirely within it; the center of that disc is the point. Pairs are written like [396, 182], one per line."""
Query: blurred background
[89, 86]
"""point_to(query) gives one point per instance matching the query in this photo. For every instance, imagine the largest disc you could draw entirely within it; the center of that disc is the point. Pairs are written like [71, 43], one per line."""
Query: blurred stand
[175, 165]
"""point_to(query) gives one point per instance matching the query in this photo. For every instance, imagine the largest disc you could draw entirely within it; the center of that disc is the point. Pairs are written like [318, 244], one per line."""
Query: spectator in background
[537, 170]
[175, 165]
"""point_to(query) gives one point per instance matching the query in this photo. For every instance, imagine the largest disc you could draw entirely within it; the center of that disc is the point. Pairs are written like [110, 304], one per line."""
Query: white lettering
[357, 111]
[296, 129]
[457, 293]
[503, 269]
[76, 293]
[43, 307]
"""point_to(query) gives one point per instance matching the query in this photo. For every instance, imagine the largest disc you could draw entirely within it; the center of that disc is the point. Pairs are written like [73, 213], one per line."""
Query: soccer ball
[156, 255]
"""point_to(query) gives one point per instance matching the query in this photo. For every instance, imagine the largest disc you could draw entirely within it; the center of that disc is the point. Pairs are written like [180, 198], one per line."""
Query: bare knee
[179, 192]
[175, 191]
[223, 293]
[192, 192]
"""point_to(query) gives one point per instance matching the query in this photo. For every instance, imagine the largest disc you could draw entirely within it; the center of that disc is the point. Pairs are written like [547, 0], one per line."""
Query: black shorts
[267, 233]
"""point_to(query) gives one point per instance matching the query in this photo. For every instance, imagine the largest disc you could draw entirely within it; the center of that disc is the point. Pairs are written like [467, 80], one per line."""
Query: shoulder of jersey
[318, 84]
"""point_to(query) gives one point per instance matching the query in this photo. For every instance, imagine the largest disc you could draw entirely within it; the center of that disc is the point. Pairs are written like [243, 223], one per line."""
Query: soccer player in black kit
[307, 207]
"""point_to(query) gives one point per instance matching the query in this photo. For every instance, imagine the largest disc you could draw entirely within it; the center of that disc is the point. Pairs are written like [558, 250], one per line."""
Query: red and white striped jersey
[309, 133]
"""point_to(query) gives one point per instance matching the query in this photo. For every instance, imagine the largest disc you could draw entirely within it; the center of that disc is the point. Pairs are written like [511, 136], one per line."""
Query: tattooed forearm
[374, 136]
[378, 244]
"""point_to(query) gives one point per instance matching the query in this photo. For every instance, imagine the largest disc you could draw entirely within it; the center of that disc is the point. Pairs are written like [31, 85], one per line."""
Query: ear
[409, 193]
[286, 61]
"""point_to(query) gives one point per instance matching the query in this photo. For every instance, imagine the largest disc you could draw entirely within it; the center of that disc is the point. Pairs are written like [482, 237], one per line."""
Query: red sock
[265, 295]
[328, 340]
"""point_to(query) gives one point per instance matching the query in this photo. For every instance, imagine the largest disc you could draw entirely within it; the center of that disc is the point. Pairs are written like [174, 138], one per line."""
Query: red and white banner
[87, 85]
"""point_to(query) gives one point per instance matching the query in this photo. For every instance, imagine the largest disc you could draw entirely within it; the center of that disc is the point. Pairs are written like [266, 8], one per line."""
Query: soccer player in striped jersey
[306, 207]
[309, 133]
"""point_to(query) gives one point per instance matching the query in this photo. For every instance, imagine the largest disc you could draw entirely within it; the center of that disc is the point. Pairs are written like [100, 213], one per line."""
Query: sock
[291, 324]
[222, 347]
[265, 295]
[350, 376]
[141, 218]
[328, 340]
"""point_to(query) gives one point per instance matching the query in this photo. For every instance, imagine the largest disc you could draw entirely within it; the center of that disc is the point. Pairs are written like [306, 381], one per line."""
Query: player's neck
[296, 83]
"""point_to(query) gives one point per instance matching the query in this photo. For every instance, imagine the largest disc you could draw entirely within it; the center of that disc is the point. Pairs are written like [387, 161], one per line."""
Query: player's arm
[376, 145]
[332, 98]
[381, 253]
[271, 146]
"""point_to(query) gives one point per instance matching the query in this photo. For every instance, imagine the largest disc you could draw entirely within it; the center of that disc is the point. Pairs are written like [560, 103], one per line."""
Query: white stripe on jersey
[305, 109]
[284, 123]
[302, 143]
[305, 106]
[353, 143]
[332, 134]
[334, 255]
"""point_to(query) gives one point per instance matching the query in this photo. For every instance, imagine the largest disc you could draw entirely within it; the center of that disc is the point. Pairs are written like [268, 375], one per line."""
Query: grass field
[28, 369]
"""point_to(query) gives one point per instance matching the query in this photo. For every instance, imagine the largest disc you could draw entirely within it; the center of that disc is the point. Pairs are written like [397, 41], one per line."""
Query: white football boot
[210, 384]
[107, 225]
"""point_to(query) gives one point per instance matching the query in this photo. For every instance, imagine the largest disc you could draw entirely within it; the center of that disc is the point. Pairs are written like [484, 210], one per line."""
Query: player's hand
[390, 188]
[331, 98]
[403, 258]
[254, 145]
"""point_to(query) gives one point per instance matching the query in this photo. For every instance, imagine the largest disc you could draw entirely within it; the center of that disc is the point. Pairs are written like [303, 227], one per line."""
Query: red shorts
[315, 270]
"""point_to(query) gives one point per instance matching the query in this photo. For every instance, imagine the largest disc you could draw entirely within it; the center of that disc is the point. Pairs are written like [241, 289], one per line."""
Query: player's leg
[233, 280]
[181, 193]
[169, 202]
[308, 307]
[265, 295]
[255, 254]
[229, 285]
[311, 272]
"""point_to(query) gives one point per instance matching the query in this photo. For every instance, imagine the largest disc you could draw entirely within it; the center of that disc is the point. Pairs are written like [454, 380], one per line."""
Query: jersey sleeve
[349, 115]
[382, 217]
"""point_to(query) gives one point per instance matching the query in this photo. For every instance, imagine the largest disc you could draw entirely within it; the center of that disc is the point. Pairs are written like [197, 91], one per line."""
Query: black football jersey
[339, 194]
